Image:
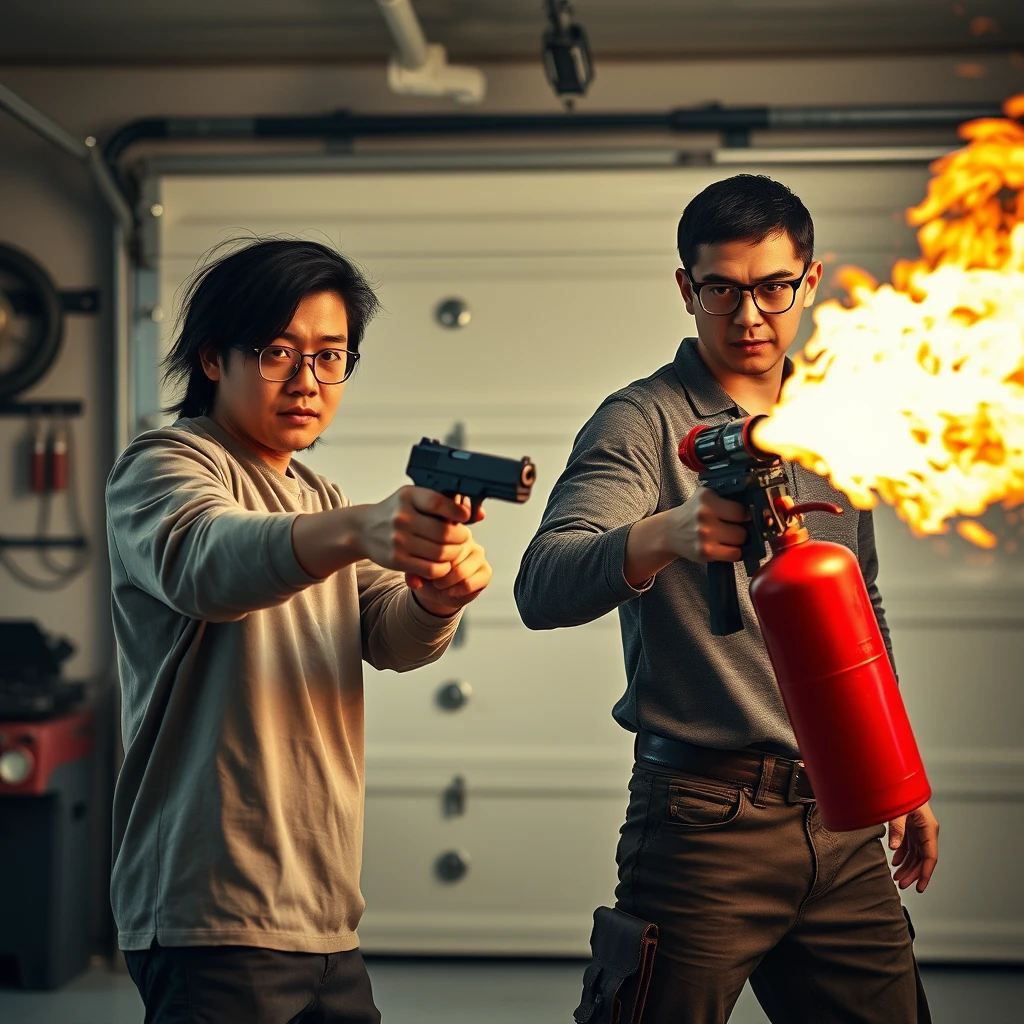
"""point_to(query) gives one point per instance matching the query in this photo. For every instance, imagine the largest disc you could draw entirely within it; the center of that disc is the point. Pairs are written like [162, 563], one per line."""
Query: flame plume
[914, 392]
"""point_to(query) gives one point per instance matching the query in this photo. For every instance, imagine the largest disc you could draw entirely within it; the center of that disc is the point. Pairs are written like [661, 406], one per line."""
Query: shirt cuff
[424, 625]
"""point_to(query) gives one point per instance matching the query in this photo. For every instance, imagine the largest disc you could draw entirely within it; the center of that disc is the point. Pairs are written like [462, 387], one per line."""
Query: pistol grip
[723, 600]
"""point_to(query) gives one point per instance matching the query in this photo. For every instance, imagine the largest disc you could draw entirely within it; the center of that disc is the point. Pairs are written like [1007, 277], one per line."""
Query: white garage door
[568, 279]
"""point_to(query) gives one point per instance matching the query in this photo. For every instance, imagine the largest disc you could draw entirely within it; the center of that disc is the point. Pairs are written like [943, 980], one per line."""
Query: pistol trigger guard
[474, 508]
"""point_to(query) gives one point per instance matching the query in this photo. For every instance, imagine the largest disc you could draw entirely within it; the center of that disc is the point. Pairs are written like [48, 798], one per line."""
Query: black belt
[743, 767]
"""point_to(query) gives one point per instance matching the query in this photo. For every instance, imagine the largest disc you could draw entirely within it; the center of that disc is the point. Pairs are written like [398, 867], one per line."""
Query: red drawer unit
[31, 752]
[47, 833]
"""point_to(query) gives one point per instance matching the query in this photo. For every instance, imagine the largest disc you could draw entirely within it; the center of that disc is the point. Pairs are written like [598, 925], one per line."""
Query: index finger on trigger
[472, 517]
[433, 503]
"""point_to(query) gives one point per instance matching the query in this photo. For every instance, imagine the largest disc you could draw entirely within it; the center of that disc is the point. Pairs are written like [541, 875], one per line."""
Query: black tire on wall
[46, 307]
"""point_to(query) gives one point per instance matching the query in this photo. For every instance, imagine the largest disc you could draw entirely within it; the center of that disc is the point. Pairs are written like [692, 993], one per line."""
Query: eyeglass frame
[741, 288]
[351, 357]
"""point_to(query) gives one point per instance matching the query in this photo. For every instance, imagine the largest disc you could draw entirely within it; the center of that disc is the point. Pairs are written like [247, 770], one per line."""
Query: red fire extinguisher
[836, 681]
[822, 638]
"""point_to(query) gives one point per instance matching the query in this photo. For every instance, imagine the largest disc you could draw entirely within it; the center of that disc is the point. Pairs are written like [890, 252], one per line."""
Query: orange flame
[915, 392]
[977, 534]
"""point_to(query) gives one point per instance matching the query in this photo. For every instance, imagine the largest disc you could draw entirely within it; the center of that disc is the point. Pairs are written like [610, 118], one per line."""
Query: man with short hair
[733, 866]
[246, 592]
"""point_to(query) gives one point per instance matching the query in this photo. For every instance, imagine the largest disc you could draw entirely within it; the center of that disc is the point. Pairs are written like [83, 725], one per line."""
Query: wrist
[350, 526]
[324, 542]
[647, 550]
[439, 612]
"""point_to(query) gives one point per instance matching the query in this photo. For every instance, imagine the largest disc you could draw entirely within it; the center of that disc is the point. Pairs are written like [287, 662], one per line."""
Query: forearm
[325, 542]
[572, 572]
[647, 551]
[568, 578]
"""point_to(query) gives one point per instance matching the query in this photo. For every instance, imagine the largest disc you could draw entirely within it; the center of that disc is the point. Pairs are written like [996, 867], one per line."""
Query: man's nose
[747, 312]
[304, 379]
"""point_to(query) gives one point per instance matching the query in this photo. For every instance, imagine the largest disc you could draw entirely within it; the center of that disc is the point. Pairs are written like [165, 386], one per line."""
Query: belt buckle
[798, 781]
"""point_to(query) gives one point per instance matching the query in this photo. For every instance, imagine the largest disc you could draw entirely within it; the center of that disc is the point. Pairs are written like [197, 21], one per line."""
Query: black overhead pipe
[734, 122]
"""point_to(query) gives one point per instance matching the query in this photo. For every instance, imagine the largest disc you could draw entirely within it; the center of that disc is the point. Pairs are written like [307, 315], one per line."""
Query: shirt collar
[706, 395]
[242, 454]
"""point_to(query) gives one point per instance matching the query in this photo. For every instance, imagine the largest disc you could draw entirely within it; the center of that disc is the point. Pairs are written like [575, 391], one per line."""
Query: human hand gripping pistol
[455, 473]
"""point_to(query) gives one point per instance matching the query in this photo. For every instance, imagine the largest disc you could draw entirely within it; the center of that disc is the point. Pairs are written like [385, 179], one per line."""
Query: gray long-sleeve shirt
[238, 811]
[681, 681]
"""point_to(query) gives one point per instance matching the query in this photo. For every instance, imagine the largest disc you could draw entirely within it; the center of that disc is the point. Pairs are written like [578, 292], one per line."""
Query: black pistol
[454, 472]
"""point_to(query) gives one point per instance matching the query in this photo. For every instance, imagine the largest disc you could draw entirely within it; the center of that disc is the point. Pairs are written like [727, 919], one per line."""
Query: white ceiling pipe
[406, 31]
[421, 68]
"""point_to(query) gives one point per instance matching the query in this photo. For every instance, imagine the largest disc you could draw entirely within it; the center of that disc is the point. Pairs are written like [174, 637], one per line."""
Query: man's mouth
[298, 416]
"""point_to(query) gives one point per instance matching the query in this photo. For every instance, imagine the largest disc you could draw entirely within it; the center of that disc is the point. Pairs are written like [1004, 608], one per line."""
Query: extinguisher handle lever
[812, 506]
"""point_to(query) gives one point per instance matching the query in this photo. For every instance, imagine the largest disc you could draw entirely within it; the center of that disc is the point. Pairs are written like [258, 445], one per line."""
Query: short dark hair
[746, 207]
[246, 298]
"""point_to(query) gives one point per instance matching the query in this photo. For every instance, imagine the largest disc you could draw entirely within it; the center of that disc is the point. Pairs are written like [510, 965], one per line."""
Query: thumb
[897, 827]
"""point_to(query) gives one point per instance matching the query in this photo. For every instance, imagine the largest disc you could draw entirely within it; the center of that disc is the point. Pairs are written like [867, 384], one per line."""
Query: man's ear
[812, 279]
[211, 361]
[686, 290]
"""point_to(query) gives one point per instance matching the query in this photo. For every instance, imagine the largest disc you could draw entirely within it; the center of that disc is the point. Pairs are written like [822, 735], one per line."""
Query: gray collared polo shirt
[681, 681]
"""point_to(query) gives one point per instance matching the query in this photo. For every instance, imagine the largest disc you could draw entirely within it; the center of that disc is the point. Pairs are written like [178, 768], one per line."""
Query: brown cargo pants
[743, 884]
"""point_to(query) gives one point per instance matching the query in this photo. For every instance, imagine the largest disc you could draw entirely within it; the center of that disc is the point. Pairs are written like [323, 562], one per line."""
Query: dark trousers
[232, 984]
[765, 892]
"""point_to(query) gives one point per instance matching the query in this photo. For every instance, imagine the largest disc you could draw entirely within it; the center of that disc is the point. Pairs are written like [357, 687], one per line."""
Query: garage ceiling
[230, 31]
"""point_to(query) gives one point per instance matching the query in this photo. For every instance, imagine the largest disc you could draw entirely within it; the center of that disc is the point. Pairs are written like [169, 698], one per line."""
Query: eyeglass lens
[331, 366]
[769, 297]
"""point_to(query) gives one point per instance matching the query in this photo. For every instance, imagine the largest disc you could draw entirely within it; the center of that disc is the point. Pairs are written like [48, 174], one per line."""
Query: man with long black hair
[246, 592]
[723, 848]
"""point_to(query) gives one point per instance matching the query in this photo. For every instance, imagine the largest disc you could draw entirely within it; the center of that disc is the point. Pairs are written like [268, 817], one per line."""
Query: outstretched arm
[572, 571]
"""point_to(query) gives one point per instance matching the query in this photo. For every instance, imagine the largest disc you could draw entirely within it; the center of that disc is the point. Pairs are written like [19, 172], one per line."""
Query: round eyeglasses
[280, 363]
[722, 298]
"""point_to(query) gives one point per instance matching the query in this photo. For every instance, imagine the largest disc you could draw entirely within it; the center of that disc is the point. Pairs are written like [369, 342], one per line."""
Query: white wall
[48, 208]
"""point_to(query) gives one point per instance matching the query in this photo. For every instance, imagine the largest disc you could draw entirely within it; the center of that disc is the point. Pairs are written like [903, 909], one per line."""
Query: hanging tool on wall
[31, 332]
[51, 478]
[31, 321]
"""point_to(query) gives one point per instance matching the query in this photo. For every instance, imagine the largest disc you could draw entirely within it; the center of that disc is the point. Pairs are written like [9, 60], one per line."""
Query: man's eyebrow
[781, 275]
[778, 275]
[287, 336]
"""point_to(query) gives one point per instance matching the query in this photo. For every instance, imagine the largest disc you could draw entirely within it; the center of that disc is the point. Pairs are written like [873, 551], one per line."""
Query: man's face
[748, 342]
[276, 418]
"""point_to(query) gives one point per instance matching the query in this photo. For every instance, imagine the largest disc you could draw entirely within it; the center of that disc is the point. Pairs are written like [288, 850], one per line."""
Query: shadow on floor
[486, 991]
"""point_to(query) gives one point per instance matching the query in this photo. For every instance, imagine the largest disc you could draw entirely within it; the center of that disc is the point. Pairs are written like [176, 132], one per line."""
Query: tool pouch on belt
[615, 983]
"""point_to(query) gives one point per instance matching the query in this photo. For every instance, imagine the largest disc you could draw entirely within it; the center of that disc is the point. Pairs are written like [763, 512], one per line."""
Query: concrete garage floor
[419, 991]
